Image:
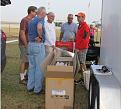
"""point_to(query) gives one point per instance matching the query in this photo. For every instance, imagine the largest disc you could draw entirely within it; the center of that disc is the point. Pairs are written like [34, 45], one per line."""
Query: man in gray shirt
[68, 30]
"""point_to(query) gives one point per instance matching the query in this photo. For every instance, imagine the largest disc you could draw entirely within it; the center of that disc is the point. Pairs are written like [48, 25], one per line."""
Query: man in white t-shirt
[50, 35]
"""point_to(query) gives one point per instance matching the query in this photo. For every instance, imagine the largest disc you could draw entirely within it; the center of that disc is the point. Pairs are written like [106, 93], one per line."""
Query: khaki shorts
[23, 54]
[82, 56]
[48, 49]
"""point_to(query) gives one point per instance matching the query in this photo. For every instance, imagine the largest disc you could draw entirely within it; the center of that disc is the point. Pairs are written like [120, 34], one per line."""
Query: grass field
[15, 96]
[13, 31]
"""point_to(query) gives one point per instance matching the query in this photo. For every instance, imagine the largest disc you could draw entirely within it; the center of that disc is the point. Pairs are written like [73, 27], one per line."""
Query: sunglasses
[70, 18]
[35, 11]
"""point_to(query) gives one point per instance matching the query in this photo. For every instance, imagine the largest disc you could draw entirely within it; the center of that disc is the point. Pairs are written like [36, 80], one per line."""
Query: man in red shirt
[23, 42]
[82, 40]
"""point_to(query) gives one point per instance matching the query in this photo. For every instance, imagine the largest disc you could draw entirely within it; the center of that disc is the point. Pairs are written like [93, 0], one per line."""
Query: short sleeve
[23, 25]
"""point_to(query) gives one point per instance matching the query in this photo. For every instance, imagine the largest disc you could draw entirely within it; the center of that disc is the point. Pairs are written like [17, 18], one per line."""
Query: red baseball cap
[81, 14]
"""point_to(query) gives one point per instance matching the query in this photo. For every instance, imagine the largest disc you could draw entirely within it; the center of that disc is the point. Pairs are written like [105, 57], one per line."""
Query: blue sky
[18, 9]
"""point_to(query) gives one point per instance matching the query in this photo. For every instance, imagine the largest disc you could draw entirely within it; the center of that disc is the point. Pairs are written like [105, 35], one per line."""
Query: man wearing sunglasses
[23, 42]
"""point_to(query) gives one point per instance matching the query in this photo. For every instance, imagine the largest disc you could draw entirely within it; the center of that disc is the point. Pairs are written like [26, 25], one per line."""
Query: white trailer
[111, 36]
[110, 55]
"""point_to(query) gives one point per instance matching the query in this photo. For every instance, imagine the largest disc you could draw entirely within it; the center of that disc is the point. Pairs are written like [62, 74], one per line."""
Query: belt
[34, 41]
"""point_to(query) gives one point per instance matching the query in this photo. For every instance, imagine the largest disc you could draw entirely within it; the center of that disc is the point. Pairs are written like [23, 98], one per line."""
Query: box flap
[53, 68]
[64, 59]
[47, 61]
[59, 71]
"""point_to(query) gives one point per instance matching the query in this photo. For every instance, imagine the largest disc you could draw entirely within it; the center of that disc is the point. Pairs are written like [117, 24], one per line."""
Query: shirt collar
[82, 23]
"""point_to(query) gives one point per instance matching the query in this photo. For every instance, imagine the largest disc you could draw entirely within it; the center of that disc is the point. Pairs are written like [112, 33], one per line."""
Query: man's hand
[23, 37]
[38, 39]
[71, 39]
[25, 45]
[53, 46]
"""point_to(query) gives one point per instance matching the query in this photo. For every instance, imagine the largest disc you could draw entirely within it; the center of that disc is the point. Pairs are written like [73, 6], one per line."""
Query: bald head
[41, 12]
[51, 17]
[50, 14]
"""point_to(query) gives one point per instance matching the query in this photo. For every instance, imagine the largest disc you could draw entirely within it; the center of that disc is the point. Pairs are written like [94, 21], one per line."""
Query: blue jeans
[36, 55]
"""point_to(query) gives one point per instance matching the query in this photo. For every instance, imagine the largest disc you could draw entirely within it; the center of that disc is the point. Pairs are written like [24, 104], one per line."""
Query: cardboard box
[59, 93]
[59, 84]
[56, 55]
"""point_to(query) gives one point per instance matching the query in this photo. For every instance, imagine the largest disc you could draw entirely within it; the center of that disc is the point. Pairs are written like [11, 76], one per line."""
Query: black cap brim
[76, 15]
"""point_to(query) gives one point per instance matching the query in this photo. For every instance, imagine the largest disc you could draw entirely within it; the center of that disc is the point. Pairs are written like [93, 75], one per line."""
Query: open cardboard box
[59, 82]
[56, 55]
[56, 71]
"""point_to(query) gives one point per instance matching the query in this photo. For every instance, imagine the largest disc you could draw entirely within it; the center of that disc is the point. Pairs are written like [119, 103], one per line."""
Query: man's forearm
[39, 33]
[23, 38]
[61, 35]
